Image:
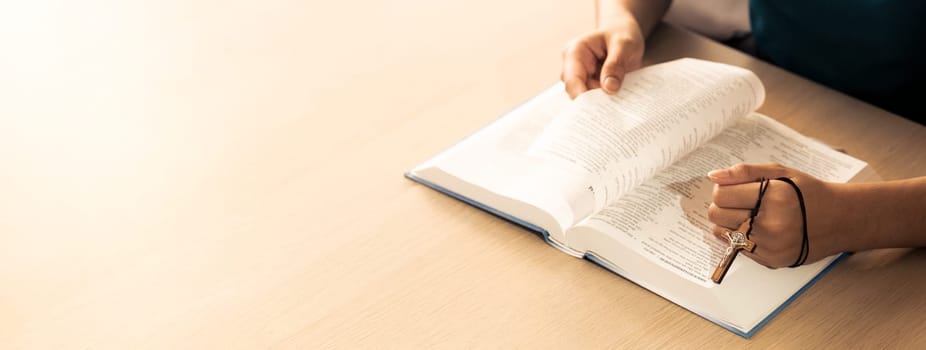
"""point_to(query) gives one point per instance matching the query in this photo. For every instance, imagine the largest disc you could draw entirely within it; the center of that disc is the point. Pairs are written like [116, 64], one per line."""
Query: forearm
[883, 214]
[646, 13]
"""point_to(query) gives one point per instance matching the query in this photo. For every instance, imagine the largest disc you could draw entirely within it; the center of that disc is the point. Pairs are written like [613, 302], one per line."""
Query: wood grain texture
[202, 174]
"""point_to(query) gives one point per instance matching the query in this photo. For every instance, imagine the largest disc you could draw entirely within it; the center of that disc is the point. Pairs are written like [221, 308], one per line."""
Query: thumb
[743, 173]
[621, 59]
[612, 73]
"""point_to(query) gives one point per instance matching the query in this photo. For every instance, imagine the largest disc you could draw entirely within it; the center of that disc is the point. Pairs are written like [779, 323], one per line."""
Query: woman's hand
[602, 58]
[778, 227]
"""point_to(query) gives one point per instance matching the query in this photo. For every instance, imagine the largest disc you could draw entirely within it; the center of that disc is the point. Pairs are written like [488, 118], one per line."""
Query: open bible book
[621, 180]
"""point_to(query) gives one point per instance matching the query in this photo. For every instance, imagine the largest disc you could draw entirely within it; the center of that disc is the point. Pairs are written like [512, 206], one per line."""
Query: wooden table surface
[228, 174]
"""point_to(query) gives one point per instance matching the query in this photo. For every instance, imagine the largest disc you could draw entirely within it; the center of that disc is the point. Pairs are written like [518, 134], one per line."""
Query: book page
[662, 224]
[492, 166]
[605, 145]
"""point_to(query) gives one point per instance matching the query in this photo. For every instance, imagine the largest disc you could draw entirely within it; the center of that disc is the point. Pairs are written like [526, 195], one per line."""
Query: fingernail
[611, 84]
[718, 174]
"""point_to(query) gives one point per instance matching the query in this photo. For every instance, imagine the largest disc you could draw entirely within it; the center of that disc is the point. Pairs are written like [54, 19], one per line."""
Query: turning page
[608, 144]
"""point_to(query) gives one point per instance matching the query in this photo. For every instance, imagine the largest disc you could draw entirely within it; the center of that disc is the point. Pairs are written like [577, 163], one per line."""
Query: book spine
[562, 247]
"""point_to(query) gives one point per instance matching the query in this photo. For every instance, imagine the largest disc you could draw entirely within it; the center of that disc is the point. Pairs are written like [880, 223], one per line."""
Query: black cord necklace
[763, 186]
[805, 242]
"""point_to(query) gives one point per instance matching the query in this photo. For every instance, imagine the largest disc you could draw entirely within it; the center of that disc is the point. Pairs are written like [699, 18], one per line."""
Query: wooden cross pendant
[738, 242]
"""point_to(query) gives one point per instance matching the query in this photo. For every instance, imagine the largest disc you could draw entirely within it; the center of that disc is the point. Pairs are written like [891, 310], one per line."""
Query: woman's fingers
[580, 63]
[727, 217]
[601, 59]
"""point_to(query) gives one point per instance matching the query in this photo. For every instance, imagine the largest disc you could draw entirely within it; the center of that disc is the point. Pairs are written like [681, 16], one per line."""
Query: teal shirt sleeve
[874, 50]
